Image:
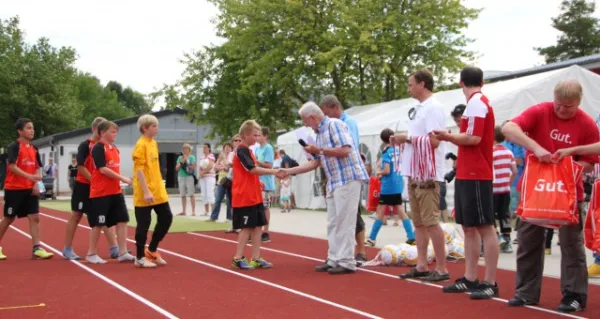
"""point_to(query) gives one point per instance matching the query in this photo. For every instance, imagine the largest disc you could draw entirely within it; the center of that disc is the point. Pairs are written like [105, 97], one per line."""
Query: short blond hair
[248, 127]
[568, 90]
[236, 135]
[186, 145]
[97, 122]
[146, 120]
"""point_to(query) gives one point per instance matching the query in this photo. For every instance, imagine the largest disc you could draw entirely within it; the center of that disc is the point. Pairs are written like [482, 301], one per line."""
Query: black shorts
[20, 203]
[360, 223]
[473, 203]
[443, 190]
[108, 211]
[390, 199]
[80, 199]
[249, 216]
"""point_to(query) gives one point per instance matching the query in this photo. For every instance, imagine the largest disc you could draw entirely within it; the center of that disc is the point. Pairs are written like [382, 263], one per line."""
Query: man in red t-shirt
[107, 203]
[543, 129]
[21, 192]
[473, 195]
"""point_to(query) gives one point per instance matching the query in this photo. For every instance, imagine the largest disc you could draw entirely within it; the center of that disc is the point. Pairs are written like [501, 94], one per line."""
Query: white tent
[508, 98]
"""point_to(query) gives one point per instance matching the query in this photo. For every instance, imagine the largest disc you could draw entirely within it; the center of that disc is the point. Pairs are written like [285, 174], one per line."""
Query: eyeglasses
[412, 113]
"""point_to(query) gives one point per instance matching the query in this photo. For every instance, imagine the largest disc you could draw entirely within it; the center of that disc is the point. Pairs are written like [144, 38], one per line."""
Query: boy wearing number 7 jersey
[247, 202]
[149, 193]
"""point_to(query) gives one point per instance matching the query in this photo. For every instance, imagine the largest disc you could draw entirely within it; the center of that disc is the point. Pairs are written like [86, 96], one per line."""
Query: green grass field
[180, 224]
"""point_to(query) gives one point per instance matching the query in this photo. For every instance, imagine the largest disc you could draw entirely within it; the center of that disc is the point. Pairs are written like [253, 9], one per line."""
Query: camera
[451, 156]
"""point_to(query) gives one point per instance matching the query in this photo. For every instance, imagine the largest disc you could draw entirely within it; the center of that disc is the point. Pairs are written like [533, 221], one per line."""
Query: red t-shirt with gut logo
[552, 133]
[105, 155]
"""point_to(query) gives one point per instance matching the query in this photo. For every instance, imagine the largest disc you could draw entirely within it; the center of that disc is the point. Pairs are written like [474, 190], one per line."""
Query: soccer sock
[375, 229]
[408, 227]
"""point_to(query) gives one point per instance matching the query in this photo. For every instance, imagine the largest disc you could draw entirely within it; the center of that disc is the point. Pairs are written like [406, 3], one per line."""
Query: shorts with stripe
[473, 202]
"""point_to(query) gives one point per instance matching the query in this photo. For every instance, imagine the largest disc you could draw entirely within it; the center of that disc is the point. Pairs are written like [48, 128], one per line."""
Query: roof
[544, 68]
[50, 139]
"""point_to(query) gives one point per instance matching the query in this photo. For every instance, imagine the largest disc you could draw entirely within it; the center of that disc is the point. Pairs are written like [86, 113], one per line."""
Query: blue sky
[139, 43]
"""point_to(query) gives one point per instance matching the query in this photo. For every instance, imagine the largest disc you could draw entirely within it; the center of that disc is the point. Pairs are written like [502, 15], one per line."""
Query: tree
[580, 32]
[279, 54]
[94, 100]
[132, 100]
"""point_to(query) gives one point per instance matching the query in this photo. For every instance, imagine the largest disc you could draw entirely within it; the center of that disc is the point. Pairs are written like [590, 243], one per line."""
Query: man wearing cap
[332, 108]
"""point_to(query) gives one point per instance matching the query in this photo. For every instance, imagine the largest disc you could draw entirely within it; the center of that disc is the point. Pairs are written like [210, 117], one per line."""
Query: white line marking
[106, 279]
[378, 273]
[264, 282]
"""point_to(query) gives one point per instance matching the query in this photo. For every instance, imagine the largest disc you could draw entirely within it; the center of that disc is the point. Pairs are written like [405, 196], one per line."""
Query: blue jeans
[515, 196]
[596, 259]
[219, 195]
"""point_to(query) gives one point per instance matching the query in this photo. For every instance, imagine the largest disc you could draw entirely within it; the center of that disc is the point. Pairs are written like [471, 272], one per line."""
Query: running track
[199, 282]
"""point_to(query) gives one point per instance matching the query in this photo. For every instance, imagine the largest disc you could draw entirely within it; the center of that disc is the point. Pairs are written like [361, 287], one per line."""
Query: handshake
[281, 173]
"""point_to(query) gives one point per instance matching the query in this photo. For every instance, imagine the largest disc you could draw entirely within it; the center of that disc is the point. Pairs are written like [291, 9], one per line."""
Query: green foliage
[279, 54]
[580, 32]
[40, 82]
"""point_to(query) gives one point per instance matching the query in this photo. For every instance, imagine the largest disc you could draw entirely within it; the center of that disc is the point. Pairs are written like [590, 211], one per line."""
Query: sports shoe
[260, 263]
[144, 263]
[126, 258]
[506, 248]
[548, 251]
[360, 259]
[413, 273]
[461, 285]
[485, 290]
[241, 264]
[265, 238]
[370, 242]
[517, 301]
[69, 254]
[114, 252]
[154, 257]
[436, 276]
[2, 256]
[95, 259]
[570, 303]
[411, 242]
[40, 253]
[593, 269]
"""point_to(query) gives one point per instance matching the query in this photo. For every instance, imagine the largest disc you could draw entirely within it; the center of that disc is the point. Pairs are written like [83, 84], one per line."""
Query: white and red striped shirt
[503, 163]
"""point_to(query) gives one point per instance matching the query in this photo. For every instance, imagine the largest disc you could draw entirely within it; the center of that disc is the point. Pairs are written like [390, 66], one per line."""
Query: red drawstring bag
[374, 190]
[591, 228]
[549, 194]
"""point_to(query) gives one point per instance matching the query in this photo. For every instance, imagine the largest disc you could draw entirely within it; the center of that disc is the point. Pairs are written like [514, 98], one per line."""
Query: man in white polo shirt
[423, 164]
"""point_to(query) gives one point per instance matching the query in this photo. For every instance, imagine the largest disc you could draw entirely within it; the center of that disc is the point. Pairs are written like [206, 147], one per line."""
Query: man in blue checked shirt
[332, 108]
[336, 153]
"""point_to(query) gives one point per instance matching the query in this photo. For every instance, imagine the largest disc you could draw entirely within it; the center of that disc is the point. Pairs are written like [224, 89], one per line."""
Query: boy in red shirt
[473, 197]
[80, 199]
[21, 192]
[108, 206]
[247, 202]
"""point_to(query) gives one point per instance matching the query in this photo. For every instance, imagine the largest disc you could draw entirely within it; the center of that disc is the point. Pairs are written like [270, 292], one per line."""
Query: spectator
[72, 173]
[186, 167]
[223, 184]
[207, 178]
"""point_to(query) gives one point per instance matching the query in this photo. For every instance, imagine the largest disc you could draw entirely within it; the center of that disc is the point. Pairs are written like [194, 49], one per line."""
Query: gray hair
[330, 101]
[310, 108]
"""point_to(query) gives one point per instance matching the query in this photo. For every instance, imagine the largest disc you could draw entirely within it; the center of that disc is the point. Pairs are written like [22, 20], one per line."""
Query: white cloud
[139, 43]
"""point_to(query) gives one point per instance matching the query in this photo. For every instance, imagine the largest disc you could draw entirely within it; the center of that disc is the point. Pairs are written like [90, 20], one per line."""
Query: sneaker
[411, 242]
[370, 242]
[570, 303]
[241, 264]
[461, 285]
[506, 248]
[40, 253]
[260, 263]
[548, 251]
[517, 301]
[265, 238]
[154, 257]
[2, 256]
[436, 276]
[323, 268]
[593, 269]
[484, 291]
[69, 254]
[144, 263]
[95, 259]
[360, 259]
[501, 241]
[125, 258]
[414, 273]
[114, 252]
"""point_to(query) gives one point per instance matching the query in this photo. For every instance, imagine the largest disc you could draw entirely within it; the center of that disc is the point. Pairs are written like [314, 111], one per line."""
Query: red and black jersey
[245, 190]
[27, 158]
[84, 158]
[105, 156]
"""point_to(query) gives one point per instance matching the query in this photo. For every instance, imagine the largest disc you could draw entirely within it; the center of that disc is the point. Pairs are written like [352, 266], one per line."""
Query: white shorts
[186, 186]
[207, 189]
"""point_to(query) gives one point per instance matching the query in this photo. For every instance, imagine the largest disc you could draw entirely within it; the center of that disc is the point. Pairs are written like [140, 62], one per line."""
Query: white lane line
[105, 279]
[264, 282]
[378, 273]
